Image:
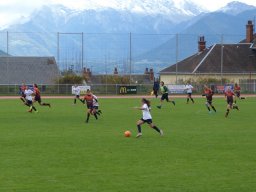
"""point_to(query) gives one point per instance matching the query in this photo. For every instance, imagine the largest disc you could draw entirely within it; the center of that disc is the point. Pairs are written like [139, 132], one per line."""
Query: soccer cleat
[36, 111]
[161, 132]
[30, 111]
[159, 107]
[173, 102]
[139, 135]
[49, 105]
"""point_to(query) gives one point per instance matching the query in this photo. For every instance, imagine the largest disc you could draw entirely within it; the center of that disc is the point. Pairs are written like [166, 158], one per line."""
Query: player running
[77, 91]
[22, 93]
[237, 91]
[88, 98]
[189, 89]
[208, 93]
[164, 90]
[96, 105]
[231, 105]
[37, 97]
[29, 100]
[146, 118]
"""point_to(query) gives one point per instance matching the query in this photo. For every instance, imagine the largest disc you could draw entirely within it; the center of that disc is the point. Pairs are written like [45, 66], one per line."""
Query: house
[235, 62]
[29, 70]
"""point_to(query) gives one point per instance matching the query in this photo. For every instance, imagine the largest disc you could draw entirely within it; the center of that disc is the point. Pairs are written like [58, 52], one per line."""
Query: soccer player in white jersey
[189, 91]
[76, 91]
[29, 99]
[96, 105]
[146, 117]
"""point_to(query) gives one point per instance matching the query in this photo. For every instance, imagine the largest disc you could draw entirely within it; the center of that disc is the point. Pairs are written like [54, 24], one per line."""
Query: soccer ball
[127, 133]
[152, 93]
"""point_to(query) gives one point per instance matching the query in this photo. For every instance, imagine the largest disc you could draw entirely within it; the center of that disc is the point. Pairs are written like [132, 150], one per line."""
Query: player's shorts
[148, 121]
[189, 94]
[230, 100]
[23, 95]
[38, 99]
[89, 106]
[165, 97]
[237, 94]
[95, 107]
[29, 102]
[209, 101]
[77, 96]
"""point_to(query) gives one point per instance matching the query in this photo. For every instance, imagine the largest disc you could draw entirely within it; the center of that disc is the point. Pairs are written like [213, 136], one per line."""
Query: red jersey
[89, 100]
[208, 92]
[36, 91]
[23, 88]
[229, 93]
[237, 88]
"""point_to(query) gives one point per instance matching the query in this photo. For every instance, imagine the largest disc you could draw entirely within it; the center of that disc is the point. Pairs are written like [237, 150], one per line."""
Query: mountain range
[142, 31]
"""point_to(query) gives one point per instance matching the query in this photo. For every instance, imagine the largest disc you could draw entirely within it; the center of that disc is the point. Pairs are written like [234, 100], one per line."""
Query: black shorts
[95, 107]
[89, 107]
[237, 94]
[189, 94]
[29, 102]
[148, 121]
[77, 96]
[230, 100]
[165, 97]
[38, 99]
[209, 102]
[23, 95]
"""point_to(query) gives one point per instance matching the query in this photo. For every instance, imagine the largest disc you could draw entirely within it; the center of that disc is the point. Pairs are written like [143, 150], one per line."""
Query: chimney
[249, 32]
[115, 71]
[151, 74]
[201, 44]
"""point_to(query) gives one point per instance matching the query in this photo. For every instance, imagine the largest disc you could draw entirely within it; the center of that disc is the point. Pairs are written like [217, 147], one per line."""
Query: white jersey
[28, 94]
[145, 112]
[76, 90]
[95, 101]
[189, 88]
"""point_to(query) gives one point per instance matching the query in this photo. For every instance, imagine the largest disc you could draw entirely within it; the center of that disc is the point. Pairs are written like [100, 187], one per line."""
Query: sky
[11, 10]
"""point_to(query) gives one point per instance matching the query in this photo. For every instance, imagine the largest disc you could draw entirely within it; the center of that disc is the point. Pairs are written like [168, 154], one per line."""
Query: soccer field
[56, 151]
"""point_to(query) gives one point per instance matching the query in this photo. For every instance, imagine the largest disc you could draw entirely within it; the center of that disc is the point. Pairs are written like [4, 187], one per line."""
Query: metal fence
[101, 52]
[111, 89]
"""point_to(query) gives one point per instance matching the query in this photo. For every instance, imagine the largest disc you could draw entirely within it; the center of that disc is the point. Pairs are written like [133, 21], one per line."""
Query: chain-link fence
[101, 52]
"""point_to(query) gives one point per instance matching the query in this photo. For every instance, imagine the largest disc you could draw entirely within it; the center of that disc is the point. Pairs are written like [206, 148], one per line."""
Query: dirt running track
[124, 96]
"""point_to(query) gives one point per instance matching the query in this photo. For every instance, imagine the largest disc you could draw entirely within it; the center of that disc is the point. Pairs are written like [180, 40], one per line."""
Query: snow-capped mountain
[236, 7]
[106, 28]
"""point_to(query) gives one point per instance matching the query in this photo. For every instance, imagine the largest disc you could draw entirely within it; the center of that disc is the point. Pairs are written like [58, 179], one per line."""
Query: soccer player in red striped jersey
[23, 87]
[37, 97]
[208, 93]
[88, 98]
[229, 94]
[237, 91]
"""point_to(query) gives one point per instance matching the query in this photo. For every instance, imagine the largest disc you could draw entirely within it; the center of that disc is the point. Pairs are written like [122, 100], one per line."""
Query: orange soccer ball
[127, 133]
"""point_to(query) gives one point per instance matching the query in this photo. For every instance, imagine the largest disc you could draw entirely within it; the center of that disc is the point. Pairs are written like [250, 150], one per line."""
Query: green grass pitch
[56, 151]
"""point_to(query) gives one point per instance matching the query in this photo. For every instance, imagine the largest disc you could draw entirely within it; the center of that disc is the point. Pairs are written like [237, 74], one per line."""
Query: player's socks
[173, 102]
[242, 97]
[74, 101]
[88, 116]
[236, 107]
[34, 108]
[192, 100]
[227, 113]
[95, 115]
[139, 128]
[208, 108]
[213, 108]
[100, 111]
[159, 106]
[187, 100]
[156, 128]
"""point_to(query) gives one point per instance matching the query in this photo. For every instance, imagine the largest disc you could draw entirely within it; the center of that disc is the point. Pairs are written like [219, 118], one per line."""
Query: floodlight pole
[221, 60]
[177, 54]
